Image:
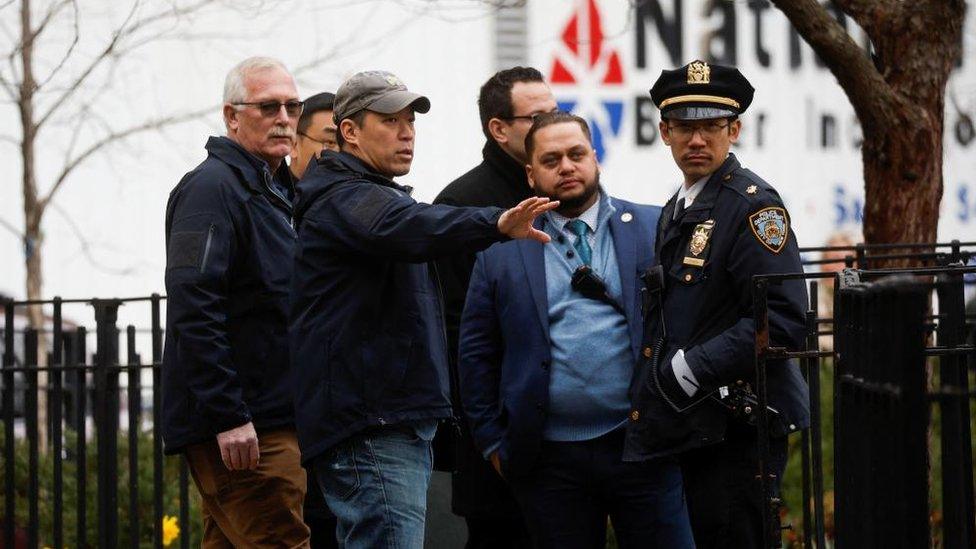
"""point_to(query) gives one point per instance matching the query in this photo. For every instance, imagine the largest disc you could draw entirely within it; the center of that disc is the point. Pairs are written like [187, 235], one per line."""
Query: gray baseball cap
[378, 91]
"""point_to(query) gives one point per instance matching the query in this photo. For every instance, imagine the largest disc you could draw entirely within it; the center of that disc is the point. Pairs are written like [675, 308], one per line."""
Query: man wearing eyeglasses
[507, 103]
[316, 133]
[695, 393]
[227, 382]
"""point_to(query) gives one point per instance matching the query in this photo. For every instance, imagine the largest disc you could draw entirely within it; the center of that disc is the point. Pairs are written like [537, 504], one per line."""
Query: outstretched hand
[517, 222]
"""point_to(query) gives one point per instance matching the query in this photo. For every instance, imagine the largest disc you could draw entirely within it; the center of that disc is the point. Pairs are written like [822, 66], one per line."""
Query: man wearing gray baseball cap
[367, 324]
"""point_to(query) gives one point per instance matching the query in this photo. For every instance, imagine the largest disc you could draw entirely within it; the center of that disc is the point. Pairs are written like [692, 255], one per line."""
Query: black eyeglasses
[684, 132]
[530, 117]
[271, 108]
[328, 143]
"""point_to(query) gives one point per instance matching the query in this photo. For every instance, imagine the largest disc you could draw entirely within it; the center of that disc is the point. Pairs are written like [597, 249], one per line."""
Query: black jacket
[228, 265]
[742, 230]
[499, 180]
[367, 332]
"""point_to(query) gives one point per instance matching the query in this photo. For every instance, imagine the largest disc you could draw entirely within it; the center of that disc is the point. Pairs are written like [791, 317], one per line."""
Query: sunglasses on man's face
[272, 108]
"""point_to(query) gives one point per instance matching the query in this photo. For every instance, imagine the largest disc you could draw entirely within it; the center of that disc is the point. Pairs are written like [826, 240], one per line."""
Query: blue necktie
[582, 244]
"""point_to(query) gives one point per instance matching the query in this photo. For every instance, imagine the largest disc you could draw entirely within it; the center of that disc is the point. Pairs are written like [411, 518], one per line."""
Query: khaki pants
[256, 508]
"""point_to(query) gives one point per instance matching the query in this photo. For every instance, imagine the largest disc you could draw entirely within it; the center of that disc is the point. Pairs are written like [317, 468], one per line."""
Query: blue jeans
[376, 485]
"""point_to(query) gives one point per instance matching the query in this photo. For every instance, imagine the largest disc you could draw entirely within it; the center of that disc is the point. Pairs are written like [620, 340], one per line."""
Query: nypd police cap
[700, 91]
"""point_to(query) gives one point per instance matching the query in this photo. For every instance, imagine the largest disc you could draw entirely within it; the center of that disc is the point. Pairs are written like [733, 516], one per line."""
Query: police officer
[723, 226]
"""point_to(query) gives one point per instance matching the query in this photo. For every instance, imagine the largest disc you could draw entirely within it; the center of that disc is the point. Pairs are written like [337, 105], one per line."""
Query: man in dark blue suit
[549, 338]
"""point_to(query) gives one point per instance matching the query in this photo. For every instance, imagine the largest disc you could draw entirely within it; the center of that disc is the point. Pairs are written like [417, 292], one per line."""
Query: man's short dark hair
[495, 99]
[356, 117]
[549, 119]
[316, 103]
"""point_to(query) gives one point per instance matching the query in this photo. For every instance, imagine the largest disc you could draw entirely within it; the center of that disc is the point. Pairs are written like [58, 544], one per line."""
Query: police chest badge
[698, 244]
[771, 227]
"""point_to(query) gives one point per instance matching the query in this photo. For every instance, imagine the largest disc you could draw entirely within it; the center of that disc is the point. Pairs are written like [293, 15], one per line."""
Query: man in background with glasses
[227, 383]
[695, 394]
[316, 133]
[507, 103]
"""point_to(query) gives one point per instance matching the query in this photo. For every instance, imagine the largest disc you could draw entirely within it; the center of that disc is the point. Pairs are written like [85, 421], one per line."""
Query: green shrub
[69, 491]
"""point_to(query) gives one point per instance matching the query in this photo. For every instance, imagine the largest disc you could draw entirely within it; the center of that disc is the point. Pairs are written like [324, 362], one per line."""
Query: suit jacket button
[635, 415]
[647, 352]
[545, 364]
[687, 278]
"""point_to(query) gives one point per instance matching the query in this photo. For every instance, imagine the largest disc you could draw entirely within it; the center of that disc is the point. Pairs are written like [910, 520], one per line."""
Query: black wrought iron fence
[884, 461]
[95, 496]
[105, 482]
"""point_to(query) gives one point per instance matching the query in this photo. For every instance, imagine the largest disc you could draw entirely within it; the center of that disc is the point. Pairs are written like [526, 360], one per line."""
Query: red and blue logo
[585, 61]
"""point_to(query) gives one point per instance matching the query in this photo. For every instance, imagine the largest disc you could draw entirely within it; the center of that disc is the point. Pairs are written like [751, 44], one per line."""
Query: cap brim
[698, 113]
[396, 101]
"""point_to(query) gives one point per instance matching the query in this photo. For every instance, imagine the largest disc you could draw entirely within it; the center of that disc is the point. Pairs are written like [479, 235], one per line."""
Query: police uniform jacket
[739, 228]
[367, 326]
[228, 267]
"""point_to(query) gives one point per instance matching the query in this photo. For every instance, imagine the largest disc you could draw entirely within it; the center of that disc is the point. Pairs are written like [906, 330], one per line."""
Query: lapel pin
[751, 189]
[626, 217]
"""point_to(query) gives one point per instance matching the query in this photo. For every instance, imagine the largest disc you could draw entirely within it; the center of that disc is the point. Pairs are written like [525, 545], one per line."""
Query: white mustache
[282, 131]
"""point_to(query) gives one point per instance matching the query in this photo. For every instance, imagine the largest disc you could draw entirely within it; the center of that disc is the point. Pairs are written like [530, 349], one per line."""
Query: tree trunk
[898, 93]
[903, 158]
[33, 213]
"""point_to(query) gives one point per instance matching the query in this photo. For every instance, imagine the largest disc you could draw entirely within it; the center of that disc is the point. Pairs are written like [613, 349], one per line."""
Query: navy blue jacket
[367, 323]
[504, 337]
[228, 265]
[736, 228]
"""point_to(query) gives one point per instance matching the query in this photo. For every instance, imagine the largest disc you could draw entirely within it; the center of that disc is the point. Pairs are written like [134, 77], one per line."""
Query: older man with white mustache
[227, 387]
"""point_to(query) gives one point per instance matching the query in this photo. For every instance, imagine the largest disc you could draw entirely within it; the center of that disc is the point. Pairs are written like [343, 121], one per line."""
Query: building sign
[800, 134]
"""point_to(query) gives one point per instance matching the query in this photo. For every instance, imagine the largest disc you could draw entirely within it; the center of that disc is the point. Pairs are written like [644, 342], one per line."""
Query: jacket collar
[356, 168]
[701, 208]
[699, 211]
[251, 168]
[513, 173]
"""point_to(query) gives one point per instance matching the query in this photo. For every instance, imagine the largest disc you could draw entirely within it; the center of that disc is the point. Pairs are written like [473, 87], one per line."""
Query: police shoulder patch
[771, 226]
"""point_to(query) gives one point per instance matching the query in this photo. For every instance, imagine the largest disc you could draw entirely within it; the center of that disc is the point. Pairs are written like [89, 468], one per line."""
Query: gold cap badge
[699, 73]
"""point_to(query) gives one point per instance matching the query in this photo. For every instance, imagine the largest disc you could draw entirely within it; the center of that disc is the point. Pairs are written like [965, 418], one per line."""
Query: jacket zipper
[206, 248]
[281, 202]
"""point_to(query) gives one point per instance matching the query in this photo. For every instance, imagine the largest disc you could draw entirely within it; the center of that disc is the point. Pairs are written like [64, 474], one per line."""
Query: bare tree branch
[86, 245]
[865, 87]
[874, 16]
[76, 84]
[52, 12]
[868, 12]
[114, 137]
[12, 228]
[7, 3]
[76, 35]
[8, 87]
[129, 27]
[75, 133]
